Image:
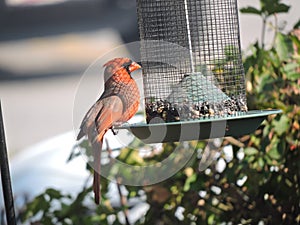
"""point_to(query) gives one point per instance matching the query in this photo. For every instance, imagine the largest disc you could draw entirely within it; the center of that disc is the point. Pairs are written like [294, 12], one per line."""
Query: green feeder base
[235, 126]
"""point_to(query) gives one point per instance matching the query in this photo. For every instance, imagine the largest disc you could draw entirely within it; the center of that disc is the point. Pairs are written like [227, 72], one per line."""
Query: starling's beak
[134, 66]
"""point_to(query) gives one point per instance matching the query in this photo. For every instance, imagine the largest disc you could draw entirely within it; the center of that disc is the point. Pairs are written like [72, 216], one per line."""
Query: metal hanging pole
[189, 35]
[5, 177]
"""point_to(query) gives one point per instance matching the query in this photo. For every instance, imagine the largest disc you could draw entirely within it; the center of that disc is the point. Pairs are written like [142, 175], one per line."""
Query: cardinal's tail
[97, 148]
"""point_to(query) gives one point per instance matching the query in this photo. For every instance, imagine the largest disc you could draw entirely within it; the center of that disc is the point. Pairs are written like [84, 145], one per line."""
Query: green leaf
[34, 207]
[53, 194]
[211, 219]
[280, 8]
[290, 67]
[274, 153]
[266, 82]
[296, 42]
[283, 46]
[293, 76]
[297, 25]
[97, 218]
[268, 160]
[75, 152]
[270, 7]
[130, 156]
[261, 162]
[188, 182]
[266, 130]
[251, 10]
[274, 59]
[250, 151]
[288, 182]
[282, 125]
[275, 150]
[291, 72]
[46, 220]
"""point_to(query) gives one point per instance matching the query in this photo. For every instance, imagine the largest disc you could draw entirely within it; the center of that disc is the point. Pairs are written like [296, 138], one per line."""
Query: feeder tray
[235, 126]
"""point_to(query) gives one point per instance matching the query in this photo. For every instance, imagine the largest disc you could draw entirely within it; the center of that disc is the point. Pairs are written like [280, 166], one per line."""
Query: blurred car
[27, 20]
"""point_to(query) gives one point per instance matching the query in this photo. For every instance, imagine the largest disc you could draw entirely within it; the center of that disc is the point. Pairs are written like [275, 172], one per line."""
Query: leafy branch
[267, 9]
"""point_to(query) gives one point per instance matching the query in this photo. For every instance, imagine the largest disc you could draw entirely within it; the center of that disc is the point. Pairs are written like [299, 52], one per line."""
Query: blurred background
[45, 47]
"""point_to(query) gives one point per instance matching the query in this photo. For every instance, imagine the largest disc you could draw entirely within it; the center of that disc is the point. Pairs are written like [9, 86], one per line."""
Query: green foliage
[259, 183]
[53, 207]
[267, 8]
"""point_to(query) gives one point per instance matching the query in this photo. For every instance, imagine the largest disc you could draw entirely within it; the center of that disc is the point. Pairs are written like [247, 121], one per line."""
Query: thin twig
[276, 29]
[109, 150]
[123, 199]
[263, 32]
[235, 142]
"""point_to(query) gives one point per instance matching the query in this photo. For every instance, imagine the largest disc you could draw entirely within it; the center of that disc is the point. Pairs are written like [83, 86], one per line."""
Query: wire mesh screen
[191, 59]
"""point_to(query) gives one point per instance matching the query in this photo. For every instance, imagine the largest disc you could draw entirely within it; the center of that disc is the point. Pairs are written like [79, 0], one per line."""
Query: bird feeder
[194, 80]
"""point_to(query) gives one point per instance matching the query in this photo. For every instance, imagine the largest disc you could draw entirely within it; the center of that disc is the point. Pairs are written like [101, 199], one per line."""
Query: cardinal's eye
[127, 65]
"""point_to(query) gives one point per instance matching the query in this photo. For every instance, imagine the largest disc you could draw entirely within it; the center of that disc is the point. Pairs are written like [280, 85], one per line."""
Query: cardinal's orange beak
[134, 66]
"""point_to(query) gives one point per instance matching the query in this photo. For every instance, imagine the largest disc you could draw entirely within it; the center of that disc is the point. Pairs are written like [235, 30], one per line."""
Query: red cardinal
[118, 103]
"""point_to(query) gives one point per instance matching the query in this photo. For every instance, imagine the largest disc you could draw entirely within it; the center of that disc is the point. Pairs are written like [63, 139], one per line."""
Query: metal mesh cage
[191, 59]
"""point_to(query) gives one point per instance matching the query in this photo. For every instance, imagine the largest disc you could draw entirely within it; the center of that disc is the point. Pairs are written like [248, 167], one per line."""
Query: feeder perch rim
[245, 115]
[201, 129]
